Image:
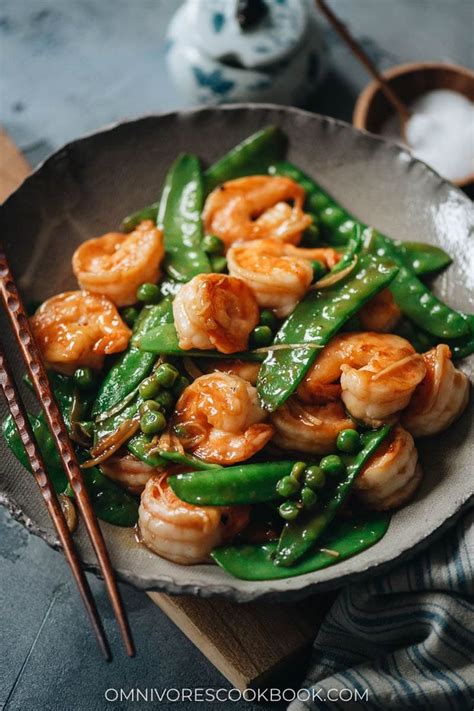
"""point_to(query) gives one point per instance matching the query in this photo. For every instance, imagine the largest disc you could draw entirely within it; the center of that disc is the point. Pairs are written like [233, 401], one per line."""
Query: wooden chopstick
[18, 412]
[32, 359]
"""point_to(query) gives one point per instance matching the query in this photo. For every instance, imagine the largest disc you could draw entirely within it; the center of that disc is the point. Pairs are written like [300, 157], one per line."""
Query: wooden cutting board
[251, 644]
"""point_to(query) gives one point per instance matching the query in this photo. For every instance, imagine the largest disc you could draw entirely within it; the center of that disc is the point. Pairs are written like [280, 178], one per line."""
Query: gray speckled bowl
[87, 187]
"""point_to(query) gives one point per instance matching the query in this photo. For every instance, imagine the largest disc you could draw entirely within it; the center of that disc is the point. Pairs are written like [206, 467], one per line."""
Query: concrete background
[69, 67]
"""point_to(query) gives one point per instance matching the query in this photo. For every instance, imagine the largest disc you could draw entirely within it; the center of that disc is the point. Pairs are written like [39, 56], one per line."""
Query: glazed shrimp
[219, 419]
[116, 264]
[279, 274]
[77, 329]
[392, 474]
[380, 314]
[215, 311]
[440, 398]
[128, 471]
[378, 374]
[181, 532]
[256, 207]
[244, 369]
[309, 428]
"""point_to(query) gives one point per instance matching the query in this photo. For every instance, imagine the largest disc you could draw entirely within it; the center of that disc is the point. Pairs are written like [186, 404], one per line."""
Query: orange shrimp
[77, 329]
[279, 274]
[181, 532]
[219, 419]
[392, 474]
[256, 207]
[215, 312]
[378, 374]
[380, 314]
[309, 428]
[128, 471]
[116, 264]
[440, 398]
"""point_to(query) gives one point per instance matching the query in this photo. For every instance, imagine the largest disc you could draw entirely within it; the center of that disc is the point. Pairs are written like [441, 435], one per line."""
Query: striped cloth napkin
[403, 640]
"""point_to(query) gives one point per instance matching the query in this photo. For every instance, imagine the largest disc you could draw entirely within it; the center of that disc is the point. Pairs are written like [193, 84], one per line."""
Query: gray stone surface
[69, 67]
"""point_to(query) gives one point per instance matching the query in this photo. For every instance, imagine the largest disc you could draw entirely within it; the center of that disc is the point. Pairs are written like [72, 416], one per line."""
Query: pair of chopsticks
[32, 359]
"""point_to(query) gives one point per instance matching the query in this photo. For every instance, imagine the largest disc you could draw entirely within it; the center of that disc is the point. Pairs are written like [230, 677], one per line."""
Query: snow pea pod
[110, 502]
[299, 536]
[317, 317]
[337, 225]
[46, 445]
[133, 365]
[343, 540]
[418, 303]
[146, 213]
[422, 341]
[243, 484]
[412, 296]
[422, 258]
[253, 156]
[179, 217]
[164, 340]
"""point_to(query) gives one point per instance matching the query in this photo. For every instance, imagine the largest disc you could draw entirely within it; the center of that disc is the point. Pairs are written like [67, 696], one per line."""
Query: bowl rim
[167, 583]
[366, 96]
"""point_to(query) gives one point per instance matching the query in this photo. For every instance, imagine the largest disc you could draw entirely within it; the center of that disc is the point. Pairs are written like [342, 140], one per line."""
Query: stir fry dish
[245, 369]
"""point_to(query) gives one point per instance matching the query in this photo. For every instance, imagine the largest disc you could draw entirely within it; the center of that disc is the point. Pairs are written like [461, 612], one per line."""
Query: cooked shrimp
[378, 374]
[218, 418]
[244, 369]
[256, 207]
[77, 329]
[181, 532]
[128, 471]
[309, 428]
[116, 263]
[279, 274]
[440, 398]
[215, 311]
[380, 314]
[392, 474]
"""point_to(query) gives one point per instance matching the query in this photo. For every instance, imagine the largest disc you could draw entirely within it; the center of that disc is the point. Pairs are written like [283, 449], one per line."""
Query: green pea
[287, 486]
[213, 245]
[346, 229]
[268, 319]
[319, 270]
[320, 201]
[150, 406]
[289, 510]
[348, 441]
[130, 315]
[180, 385]
[149, 388]
[152, 422]
[261, 336]
[298, 469]
[85, 378]
[333, 216]
[308, 497]
[218, 264]
[332, 465]
[166, 375]
[149, 293]
[314, 477]
[165, 400]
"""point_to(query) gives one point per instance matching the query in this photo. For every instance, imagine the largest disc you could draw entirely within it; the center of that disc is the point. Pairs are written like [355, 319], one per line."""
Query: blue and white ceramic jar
[221, 51]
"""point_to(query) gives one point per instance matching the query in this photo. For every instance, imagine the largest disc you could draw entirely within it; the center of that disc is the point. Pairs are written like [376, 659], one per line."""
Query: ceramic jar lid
[214, 28]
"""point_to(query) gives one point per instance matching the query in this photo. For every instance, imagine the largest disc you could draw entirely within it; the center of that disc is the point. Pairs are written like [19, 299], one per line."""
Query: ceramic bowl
[410, 81]
[88, 186]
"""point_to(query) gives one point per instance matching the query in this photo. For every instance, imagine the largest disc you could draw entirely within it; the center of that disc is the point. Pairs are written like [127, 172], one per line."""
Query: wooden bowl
[409, 81]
